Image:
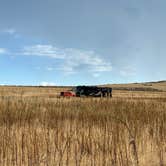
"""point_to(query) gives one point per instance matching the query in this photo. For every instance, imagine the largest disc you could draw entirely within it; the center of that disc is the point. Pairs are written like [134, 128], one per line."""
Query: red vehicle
[68, 94]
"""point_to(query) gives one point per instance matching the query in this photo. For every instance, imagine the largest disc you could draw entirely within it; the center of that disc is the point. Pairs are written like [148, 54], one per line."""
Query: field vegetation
[38, 128]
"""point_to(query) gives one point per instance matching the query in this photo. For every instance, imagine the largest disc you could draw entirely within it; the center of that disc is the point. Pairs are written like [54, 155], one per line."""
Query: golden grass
[39, 129]
[161, 85]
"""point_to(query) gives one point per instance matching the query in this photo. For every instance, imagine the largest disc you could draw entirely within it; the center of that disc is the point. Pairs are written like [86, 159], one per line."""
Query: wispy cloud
[44, 83]
[43, 50]
[3, 51]
[128, 71]
[49, 68]
[73, 60]
[10, 31]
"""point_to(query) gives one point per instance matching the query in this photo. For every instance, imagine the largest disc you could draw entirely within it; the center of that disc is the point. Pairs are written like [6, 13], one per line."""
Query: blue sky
[59, 42]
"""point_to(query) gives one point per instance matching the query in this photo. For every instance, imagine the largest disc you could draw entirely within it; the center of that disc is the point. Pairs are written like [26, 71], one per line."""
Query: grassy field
[158, 86]
[40, 129]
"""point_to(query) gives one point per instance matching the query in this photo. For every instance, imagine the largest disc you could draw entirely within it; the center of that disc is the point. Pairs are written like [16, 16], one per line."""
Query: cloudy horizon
[82, 42]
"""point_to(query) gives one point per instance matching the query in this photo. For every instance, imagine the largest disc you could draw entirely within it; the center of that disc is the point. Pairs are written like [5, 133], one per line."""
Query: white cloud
[49, 68]
[102, 68]
[10, 31]
[43, 50]
[3, 51]
[73, 60]
[94, 62]
[67, 69]
[128, 71]
[47, 83]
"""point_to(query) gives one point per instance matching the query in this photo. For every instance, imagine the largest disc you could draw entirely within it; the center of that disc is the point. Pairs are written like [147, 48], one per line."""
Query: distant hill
[147, 86]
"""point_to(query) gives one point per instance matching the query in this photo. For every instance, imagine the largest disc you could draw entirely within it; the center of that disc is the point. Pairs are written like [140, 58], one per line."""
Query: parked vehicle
[68, 94]
[86, 91]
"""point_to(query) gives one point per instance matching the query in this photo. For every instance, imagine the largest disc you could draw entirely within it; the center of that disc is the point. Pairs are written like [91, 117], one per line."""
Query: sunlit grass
[53, 131]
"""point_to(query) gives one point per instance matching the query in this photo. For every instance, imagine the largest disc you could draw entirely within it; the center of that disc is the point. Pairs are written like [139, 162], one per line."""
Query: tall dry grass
[40, 131]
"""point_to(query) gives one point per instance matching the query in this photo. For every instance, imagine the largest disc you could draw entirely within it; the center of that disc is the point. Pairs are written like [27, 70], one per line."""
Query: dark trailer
[93, 91]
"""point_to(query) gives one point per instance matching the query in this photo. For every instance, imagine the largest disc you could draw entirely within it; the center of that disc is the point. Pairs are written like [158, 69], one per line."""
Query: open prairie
[38, 128]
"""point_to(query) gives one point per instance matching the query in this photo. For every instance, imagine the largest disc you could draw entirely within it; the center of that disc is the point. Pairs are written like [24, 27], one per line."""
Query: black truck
[92, 91]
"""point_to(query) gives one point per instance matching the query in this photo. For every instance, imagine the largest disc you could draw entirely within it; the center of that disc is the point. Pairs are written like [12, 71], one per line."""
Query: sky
[77, 42]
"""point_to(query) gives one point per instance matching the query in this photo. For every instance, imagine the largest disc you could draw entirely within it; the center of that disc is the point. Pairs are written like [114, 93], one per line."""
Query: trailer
[88, 91]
